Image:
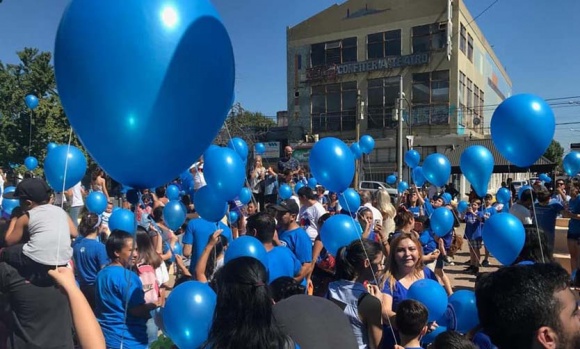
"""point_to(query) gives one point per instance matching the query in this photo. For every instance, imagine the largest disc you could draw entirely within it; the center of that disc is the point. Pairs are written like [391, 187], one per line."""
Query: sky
[536, 41]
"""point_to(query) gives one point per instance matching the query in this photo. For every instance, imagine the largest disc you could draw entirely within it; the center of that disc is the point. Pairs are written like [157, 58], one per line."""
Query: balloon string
[367, 257]
[30, 133]
[128, 281]
[62, 196]
[536, 219]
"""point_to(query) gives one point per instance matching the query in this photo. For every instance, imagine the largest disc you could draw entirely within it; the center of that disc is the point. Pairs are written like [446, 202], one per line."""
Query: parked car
[373, 186]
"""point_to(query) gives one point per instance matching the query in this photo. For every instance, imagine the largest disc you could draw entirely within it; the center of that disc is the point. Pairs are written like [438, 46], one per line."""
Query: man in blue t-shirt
[546, 213]
[292, 235]
[197, 235]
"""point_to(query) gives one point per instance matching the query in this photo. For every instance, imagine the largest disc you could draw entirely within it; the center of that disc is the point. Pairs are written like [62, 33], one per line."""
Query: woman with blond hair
[384, 205]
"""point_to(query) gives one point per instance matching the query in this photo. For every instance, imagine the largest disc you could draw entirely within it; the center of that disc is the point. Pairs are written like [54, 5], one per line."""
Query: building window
[462, 38]
[469, 47]
[475, 101]
[333, 52]
[481, 115]
[426, 151]
[462, 90]
[298, 62]
[382, 101]
[429, 37]
[380, 45]
[469, 100]
[333, 107]
[431, 98]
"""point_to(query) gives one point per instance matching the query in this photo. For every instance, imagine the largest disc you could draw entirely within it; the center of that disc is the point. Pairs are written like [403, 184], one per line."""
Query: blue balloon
[178, 249]
[402, 186]
[332, 164]
[544, 177]
[446, 198]
[571, 163]
[392, 179]
[9, 189]
[64, 167]
[209, 206]
[338, 231]
[442, 221]
[432, 295]
[172, 192]
[224, 171]
[187, 55]
[412, 158]
[356, 150]
[465, 309]
[430, 337]
[31, 163]
[449, 319]
[312, 183]
[418, 176]
[245, 195]
[533, 118]
[462, 206]
[503, 196]
[239, 146]
[246, 246]
[298, 186]
[123, 219]
[96, 202]
[366, 144]
[232, 217]
[188, 314]
[437, 169]
[174, 214]
[504, 236]
[260, 148]
[285, 191]
[349, 200]
[476, 163]
[50, 146]
[31, 101]
[9, 204]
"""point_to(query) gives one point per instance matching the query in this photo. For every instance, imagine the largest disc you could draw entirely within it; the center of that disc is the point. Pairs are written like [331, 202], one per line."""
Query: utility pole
[400, 131]
[359, 117]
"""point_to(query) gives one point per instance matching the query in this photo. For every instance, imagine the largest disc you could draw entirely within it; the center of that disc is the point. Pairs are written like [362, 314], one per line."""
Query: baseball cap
[33, 189]
[287, 206]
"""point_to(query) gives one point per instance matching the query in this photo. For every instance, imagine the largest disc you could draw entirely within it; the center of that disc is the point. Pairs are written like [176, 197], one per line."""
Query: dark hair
[307, 193]
[323, 219]
[157, 214]
[514, 302]
[451, 340]
[284, 287]
[403, 218]
[411, 317]
[116, 242]
[160, 192]
[535, 246]
[182, 279]
[243, 313]
[350, 259]
[147, 253]
[527, 195]
[89, 224]
[264, 224]
[217, 250]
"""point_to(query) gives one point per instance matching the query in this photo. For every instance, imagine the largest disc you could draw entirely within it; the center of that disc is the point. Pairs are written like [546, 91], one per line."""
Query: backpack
[150, 285]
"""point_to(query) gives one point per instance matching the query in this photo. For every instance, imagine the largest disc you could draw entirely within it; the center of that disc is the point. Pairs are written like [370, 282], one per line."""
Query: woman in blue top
[404, 267]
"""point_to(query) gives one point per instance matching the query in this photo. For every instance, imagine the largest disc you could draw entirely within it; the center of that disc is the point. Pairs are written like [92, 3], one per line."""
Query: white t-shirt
[77, 196]
[309, 216]
[522, 213]
[198, 177]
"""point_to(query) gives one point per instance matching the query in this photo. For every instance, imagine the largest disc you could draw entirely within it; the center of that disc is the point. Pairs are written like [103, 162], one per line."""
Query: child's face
[109, 208]
[475, 206]
[251, 209]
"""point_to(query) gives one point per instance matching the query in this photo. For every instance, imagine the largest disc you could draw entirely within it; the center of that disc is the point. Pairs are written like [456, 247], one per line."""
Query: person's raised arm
[202, 262]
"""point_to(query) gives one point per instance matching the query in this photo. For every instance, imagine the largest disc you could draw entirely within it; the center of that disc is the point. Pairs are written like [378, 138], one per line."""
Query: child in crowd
[411, 321]
[473, 227]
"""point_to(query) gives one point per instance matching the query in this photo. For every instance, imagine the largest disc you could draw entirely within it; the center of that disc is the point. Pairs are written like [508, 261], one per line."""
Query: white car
[373, 186]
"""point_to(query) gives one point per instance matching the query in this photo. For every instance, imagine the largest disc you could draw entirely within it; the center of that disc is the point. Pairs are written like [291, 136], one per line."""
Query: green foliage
[555, 153]
[250, 126]
[162, 342]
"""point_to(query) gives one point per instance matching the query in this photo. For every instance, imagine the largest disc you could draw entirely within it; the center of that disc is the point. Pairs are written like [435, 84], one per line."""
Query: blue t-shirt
[282, 262]
[546, 216]
[416, 210]
[574, 207]
[483, 341]
[115, 285]
[473, 225]
[90, 256]
[427, 242]
[197, 234]
[298, 241]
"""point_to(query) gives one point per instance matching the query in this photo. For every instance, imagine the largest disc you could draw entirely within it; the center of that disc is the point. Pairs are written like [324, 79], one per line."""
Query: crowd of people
[113, 284]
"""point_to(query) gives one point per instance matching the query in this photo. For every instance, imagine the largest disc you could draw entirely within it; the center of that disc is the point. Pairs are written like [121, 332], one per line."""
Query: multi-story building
[348, 64]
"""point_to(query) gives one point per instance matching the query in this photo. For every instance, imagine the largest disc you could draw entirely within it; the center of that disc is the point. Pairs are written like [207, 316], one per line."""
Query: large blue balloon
[96, 202]
[31, 101]
[432, 295]
[338, 231]
[412, 158]
[174, 214]
[175, 76]
[123, 219]
[245, 195]
[571, 163]
[285, 191]
[225, 172]
[418, 176]
[402, 186]
[349, 200]
[437, 169]
[247, 246]
[504, 236]
[64, 167]
[260, 148]
[172, 192]
[356, 150]
[503, 196]
[442, 221]
[188, 314]
[239, 146]
[465, 309]
[209, 206]
[367, 144]
[533, 118]
[476, 163]
[30, 163]
[332, 164]
[392, 179]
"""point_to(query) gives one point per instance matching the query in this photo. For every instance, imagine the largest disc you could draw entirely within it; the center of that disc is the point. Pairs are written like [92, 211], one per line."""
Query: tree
[250, 126]
[34, 74]
[554, 153]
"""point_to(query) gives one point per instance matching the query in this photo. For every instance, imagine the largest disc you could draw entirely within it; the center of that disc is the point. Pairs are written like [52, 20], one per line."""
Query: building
[348, 64]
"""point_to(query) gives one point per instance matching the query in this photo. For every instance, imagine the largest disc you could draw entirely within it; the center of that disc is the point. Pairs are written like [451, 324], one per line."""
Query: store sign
[272, 150]
[383, 64]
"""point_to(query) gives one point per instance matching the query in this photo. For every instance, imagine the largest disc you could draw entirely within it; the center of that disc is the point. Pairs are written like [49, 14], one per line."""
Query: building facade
[348, 64]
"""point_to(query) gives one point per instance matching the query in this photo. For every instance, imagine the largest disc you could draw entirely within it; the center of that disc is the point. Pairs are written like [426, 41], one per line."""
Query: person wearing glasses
[559, 195]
